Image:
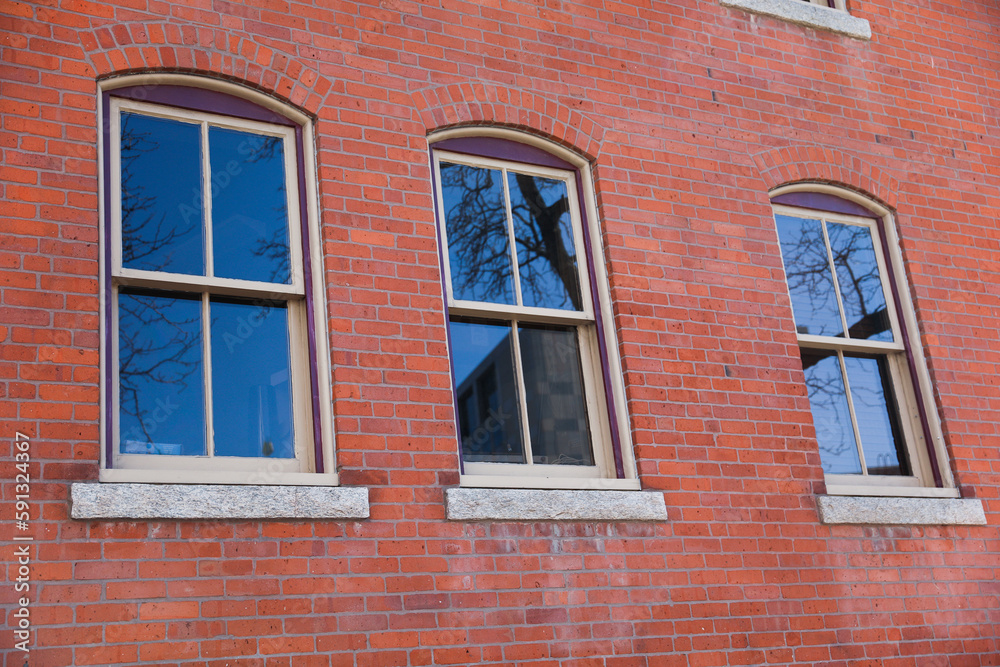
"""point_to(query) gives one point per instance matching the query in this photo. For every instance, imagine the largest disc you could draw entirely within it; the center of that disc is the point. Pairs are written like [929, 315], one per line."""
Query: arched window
[215, 326]
[537, 402]
[867, 385]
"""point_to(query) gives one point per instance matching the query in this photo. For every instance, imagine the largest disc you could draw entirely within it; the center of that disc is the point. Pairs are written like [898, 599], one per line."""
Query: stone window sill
[476, 504]
[216, 501]
[804, 13]
[868, 510]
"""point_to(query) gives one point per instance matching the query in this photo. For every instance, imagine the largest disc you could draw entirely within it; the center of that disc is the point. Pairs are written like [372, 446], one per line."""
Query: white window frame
[299, 470]
[602, 475]
[920, 482]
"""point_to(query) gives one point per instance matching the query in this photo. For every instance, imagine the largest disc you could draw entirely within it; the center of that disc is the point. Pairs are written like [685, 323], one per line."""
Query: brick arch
[478, 103]
[780, 166]
[129, 48]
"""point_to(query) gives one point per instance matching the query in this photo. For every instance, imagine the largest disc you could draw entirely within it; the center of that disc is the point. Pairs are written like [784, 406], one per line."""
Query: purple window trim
[109, 430]
[822, 201]
[911, 362]
[210, 101]
[503, 149]
[506, 149]
[310, 311]
[829, 203]
[602, 343]
[201, 99]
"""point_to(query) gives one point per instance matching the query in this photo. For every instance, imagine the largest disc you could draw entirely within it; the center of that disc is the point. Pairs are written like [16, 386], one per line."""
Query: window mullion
[854, 417]
[522, 399]
[206, 340]
[511, 239]
[206, 180]
[836, 283]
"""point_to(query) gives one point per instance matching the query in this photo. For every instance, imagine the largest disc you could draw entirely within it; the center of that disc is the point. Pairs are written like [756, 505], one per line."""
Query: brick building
[528, 333]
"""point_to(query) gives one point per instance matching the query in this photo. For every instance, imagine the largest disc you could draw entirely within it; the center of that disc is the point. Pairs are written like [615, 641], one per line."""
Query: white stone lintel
[807, 14]
[216, 501]
[868, 510]
[473, 504]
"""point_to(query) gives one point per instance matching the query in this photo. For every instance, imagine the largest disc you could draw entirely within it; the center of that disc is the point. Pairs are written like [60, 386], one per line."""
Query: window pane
[543, 230]
[160, 373]
[553, 387]
[249, 206]
[476, 223]
[161, 195]
[810, 280]
[251, 388]
[875, 408]
[860, 282]
[488, 410]
[838, 449]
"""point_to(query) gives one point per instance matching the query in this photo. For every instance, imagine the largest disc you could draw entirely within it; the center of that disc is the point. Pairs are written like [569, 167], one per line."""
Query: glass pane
[838, 450]
[476, 223]
[251, 387]
[249, 206]
[161, 194]
[489, 416]
[875, 408]
[160, 374]
[543, 230]
[860, 283]
[810, 280]
[553, 387]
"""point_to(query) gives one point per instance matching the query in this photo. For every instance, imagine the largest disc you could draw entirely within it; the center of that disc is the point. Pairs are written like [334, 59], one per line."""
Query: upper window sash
[517, 309]
[842, 337]
[203, 208]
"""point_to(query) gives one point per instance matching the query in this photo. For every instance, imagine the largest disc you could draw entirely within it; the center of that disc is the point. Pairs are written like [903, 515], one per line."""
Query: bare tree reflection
[543, 239]
[477, 234]
[859, 280]
[262, 150]
[831, 415]
[807, 268]
[275, 249]
[146, 229]
[158, 340]
[160, 333]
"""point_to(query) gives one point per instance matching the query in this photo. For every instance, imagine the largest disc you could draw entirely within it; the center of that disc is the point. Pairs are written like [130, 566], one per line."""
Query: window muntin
[522, 327]
[853, 355]
[212, 364]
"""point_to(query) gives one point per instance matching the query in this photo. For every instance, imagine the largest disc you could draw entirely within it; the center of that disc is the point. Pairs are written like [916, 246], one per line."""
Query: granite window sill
[875, 511]
[478, 504]
[91, 501]
[804, 13]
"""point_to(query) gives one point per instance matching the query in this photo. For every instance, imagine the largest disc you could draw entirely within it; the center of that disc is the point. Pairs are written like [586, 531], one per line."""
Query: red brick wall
[690, 112]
